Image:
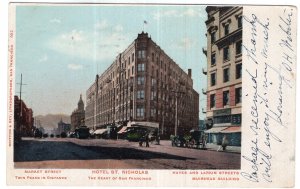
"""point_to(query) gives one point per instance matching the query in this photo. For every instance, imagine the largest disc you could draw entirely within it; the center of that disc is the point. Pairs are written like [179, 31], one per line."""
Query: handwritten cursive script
[267, 79]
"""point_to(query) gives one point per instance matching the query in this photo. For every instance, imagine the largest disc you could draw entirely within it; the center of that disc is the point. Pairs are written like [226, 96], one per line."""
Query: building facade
[63, 127]
[143, 84]
[78, 115]
[224, 72]
[23, 118]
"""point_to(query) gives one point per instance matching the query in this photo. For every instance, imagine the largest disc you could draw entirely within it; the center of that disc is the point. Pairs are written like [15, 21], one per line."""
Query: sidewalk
[232, 149]
[210, 146]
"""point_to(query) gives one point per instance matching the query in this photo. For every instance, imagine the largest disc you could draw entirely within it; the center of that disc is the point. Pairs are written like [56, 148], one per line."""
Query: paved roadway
[101, 154]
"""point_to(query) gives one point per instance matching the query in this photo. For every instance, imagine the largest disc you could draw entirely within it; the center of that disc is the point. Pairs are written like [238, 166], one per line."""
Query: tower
[80, 104]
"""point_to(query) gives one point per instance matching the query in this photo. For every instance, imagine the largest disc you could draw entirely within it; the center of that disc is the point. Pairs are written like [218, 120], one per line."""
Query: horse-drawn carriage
[195, 139]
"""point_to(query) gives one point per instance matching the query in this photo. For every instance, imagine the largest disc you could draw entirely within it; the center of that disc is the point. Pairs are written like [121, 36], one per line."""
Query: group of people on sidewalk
[221, 143]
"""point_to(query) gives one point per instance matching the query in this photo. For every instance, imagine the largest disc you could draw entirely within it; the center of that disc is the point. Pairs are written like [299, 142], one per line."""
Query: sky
[60, 49]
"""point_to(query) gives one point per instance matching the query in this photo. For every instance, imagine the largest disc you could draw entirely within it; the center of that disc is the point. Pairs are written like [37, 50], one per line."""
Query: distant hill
[50, 121]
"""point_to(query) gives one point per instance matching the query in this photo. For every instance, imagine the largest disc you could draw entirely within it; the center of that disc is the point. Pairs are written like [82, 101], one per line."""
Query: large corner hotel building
[143, 84]
[224, 72]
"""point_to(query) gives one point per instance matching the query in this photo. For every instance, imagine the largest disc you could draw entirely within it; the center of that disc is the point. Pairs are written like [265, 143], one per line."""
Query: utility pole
[20, 115]
[176, 115]
[176, 109]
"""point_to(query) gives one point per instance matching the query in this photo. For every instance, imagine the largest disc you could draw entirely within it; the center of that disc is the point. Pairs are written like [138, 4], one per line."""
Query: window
[226, 75]
[238, 48]
[161, 63]
[213, 59]
[129, 60]
[142, 54]
[141, 67]
[152, 57]
[226, 29]
[240, 21]
[132, 58]
[153, 82]
[212, 100]
[152, 71]
[225, 98]
[141, 94]
[238, 95]
[238, 69]
[132, 71]
[213, 37]
[141, 80]
[213, 79]
[226, 54]
[140, 111]
[153, 95]
[153, 112]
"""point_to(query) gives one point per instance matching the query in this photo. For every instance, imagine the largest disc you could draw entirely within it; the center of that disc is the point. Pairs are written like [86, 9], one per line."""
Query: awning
[122, 130]
[215, 130]
[100, 131]
[233, 129]
[143, 124]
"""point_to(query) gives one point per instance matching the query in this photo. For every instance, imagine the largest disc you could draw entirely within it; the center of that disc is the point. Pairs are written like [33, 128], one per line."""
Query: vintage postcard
[151, 95]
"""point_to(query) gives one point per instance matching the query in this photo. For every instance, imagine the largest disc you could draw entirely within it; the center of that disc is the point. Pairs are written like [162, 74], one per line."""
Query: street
[112, 154]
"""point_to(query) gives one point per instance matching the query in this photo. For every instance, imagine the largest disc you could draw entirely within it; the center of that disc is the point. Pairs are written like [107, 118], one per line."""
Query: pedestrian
[203, 140]
[224, 143]
[141, 141]
[147, 140]
[157, 139]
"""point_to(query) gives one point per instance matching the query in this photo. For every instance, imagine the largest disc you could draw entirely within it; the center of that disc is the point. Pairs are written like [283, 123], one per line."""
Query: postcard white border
[298, 87]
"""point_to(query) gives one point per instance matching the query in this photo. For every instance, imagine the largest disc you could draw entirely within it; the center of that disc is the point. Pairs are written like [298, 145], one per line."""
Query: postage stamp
[151, 95]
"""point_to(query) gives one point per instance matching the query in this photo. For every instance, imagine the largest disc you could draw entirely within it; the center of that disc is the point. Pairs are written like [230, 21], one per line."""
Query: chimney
[190, 73]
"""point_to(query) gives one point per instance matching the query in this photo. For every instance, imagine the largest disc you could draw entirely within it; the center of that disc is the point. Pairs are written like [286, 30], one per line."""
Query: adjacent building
[143, 84]
[62, 127]
[224, 72]
[78, 115]
[23, 118]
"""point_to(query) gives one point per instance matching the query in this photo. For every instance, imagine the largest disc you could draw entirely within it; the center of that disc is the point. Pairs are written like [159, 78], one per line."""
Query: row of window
[141, 95]
[226, 53]
[163, 65]
[123, 65]
[226, 28]
[226, 98]
[140, 112]
[226, 75]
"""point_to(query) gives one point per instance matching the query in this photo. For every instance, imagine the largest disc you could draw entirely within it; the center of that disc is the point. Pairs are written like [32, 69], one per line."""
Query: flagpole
[145, 22]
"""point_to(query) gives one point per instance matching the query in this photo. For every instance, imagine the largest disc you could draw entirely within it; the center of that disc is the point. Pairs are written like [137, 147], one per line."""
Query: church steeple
[80, 103]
